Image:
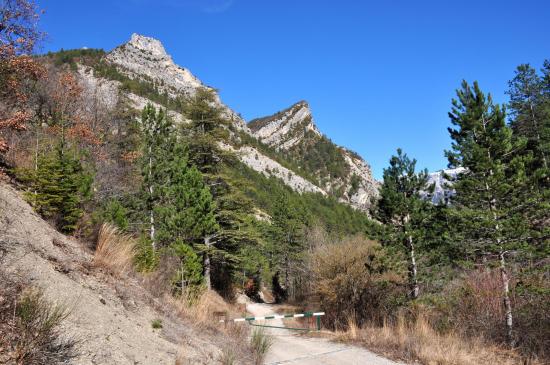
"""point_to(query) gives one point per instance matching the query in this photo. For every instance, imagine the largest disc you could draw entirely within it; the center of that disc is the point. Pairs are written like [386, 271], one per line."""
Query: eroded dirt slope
[110, 318]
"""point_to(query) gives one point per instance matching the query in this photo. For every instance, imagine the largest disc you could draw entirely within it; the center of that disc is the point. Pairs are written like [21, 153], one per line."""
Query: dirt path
[289, 348]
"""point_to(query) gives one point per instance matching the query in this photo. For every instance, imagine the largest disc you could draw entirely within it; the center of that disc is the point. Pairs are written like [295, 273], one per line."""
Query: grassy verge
[418, 341]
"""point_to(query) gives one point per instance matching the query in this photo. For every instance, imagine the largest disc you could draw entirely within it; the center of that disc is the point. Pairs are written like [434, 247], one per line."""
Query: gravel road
[289, 348]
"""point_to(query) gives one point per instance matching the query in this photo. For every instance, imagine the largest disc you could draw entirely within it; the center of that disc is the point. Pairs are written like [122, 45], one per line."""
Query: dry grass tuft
[260, 342]
[231, 338]
[115, 250]
[418, 341]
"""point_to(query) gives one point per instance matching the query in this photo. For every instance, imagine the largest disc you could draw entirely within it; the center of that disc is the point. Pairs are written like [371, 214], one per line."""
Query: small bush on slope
[30, 331]
[260, 342]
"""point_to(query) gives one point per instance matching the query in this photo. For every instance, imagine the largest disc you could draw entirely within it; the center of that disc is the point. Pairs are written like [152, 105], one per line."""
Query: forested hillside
[450, 268]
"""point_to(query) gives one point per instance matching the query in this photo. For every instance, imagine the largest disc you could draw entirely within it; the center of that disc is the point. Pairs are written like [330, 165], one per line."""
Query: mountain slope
[443, 190]
[286, 145]
[338, 171]
[109, 318]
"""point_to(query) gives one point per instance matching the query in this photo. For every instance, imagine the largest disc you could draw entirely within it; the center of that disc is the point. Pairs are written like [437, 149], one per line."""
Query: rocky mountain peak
[145, 58]
[285, 128]
[147, 44]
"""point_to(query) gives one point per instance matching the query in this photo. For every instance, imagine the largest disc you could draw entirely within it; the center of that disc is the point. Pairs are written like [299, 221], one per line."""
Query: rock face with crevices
[334, 169]
[145, 58]
[286, 128]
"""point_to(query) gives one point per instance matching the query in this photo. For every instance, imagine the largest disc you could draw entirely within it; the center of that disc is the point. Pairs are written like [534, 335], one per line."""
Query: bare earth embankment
[110, 319]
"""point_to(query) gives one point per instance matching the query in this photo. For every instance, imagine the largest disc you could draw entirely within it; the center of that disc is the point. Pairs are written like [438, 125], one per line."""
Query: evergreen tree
[185, 208]
[492, 192]
[207, 130]
[59, 187]
[530, 114]
[189, 275]
[402, 209]
[158, 141]
[288, 223]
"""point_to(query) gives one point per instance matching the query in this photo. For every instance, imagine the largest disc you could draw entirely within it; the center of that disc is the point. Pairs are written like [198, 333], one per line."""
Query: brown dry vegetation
[30, 326]
[114, 251]
[416, 340]
[364, 297]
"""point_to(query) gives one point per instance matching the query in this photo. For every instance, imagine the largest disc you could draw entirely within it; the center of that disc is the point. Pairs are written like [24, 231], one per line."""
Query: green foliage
[400, 192]
[495, 182]
[287, 229]
[146, 257]
[234, 228]
[265, 191]
[156, 324]
[189, 275]
[208, 127]
[402, 209]
[115, 213]
[530, 110]
[58, 187]
[185, 209]
[319, 156]
[73, 56]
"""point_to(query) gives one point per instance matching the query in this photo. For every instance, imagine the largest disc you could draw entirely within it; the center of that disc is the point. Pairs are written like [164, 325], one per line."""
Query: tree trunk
[413, 281]
[506, 296]
[151, 216]
[207, 265]
[412, 270]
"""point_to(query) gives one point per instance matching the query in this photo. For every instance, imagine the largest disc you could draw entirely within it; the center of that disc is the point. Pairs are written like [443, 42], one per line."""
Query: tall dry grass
[418, 341]
[114, 251]
[231, 337]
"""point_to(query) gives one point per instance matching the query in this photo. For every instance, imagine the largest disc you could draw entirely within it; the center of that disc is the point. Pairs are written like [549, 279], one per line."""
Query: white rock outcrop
[145, 58]
[443, 190]
[288, 128]
[285, 129]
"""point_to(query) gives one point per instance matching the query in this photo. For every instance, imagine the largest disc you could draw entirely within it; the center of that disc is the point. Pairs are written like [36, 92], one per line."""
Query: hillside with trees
[96, 147]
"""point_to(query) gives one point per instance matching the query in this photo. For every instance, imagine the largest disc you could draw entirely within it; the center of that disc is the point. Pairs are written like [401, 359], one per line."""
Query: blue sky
[377, 74]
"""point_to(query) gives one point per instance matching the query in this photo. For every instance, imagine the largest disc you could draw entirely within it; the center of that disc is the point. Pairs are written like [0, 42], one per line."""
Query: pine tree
[207, 130]
[402, 209]
[189, 275]
[530, 117]
[492, 192]
[288, 224]
[158, 142]
[58, 188]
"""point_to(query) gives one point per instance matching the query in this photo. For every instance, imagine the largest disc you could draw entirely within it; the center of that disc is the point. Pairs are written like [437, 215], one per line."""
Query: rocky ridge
[286, 128]
[145, 58]
[293, 131]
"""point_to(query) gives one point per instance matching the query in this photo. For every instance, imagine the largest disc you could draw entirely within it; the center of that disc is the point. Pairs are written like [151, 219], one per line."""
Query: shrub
[473, 307]
[354, 278]
[260, 342]
[114, 251]
[30, 331]
[146, 258]
[189, 274]
[156, 324]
